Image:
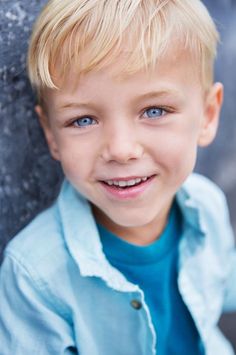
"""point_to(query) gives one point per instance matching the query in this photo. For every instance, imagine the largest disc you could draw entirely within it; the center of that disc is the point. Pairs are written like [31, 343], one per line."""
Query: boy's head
[126, 95]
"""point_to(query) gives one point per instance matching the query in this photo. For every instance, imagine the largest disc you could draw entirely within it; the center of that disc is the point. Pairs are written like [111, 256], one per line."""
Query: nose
[122, 145]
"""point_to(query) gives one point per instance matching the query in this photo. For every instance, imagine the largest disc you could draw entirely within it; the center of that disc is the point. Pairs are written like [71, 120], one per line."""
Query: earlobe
[213, 103]
[45, 124]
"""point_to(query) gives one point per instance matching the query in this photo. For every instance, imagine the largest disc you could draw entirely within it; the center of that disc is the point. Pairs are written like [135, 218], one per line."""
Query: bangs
[89, 35]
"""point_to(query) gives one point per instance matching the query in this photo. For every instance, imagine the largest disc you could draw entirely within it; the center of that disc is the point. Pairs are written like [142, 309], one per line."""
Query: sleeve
[229, 304]
[230, 289]
[216, 208]
[28, 323]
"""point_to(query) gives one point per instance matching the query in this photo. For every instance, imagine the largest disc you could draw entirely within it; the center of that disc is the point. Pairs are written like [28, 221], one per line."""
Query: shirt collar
[82, 238]
[190, 208]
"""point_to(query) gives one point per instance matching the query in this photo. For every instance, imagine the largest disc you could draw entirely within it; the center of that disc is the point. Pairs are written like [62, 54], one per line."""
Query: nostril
[121, 150]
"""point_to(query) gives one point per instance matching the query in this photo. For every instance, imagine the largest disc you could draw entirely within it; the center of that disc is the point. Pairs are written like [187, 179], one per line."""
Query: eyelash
[165, 109]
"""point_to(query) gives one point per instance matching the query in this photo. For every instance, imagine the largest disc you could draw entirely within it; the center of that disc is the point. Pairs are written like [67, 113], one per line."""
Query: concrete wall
[29, 179]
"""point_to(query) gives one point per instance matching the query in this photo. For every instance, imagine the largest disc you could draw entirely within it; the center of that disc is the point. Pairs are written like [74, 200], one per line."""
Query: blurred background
[30, 179]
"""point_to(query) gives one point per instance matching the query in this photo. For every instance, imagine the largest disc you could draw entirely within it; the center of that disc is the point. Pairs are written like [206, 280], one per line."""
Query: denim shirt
[59, 294]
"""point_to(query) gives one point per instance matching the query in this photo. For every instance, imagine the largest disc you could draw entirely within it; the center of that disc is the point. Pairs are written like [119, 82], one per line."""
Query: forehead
[176, 71]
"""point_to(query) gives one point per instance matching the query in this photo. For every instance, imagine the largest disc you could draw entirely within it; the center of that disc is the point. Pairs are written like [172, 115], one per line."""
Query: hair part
[90, 34]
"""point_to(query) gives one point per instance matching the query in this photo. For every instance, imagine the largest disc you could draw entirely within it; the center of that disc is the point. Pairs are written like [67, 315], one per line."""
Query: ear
[49, 135]
[213, 103]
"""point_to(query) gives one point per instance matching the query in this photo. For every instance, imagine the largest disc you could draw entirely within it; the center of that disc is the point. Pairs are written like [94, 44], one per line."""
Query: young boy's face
[140, 132]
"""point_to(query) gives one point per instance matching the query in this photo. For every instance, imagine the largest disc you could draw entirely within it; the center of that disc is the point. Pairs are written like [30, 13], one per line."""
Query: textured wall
[28, 176]
[29, 179]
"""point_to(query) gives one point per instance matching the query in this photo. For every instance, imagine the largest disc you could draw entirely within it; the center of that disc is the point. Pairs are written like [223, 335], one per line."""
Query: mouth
[126, 188]
[125, 183]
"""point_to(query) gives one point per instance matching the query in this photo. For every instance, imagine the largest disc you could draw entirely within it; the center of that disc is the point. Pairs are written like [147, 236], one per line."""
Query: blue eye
[84, 122]
[154, 112]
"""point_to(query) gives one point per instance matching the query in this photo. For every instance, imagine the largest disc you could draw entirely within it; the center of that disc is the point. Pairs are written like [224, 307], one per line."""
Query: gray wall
[29, 179]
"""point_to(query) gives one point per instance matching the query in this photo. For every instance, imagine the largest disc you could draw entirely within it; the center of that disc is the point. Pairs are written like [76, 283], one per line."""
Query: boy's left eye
[154, 112]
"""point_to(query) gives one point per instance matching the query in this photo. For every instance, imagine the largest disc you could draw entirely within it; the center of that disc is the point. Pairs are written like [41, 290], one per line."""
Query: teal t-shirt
[154, 269]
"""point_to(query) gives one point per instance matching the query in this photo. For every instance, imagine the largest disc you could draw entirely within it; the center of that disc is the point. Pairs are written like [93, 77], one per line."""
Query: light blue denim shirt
[59, 294]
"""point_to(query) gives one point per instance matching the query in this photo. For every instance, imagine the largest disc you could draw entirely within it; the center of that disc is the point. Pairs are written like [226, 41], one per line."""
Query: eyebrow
[148, 95]
[159, 94]
[75, 105]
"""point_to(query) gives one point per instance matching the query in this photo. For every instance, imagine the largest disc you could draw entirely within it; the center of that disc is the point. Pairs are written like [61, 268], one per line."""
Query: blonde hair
[145, 29]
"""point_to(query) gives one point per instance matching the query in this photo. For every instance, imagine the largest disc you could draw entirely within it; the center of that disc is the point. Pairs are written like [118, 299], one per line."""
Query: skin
[121, 139]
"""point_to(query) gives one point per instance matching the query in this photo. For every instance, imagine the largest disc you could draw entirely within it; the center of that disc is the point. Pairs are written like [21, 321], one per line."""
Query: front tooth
[116, 183]
[122, 183]
[131, 182]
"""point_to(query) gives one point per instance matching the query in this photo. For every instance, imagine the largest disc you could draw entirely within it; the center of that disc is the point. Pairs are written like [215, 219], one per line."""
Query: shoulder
[38, 259]
[35, 267]
[40, 246]
[42, 234]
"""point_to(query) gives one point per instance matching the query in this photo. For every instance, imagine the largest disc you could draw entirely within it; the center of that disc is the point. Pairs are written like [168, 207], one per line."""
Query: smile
[126, 183]
[127, 188]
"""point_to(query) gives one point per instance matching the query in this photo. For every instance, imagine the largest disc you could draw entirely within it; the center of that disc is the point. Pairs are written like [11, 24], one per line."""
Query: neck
[140, 235]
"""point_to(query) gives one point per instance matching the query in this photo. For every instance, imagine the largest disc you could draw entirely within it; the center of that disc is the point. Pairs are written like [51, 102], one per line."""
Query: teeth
[131, 182]
[138, 180]
[123, 183]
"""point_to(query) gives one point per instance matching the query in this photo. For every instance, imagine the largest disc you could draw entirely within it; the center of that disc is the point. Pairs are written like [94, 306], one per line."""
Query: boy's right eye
[83, 122]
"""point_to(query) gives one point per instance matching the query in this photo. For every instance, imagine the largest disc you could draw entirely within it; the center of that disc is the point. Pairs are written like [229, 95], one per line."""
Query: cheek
[176, 149]
[76, 162]
[78, 147]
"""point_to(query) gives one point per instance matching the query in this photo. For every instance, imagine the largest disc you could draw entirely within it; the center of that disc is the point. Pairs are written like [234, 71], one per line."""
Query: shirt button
[136, 304]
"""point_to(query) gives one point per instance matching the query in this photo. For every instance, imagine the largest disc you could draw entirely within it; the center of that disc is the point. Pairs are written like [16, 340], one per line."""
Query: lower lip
[128, 192]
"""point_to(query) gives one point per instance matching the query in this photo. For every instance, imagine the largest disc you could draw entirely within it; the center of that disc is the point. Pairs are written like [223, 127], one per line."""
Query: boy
[136, 256]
